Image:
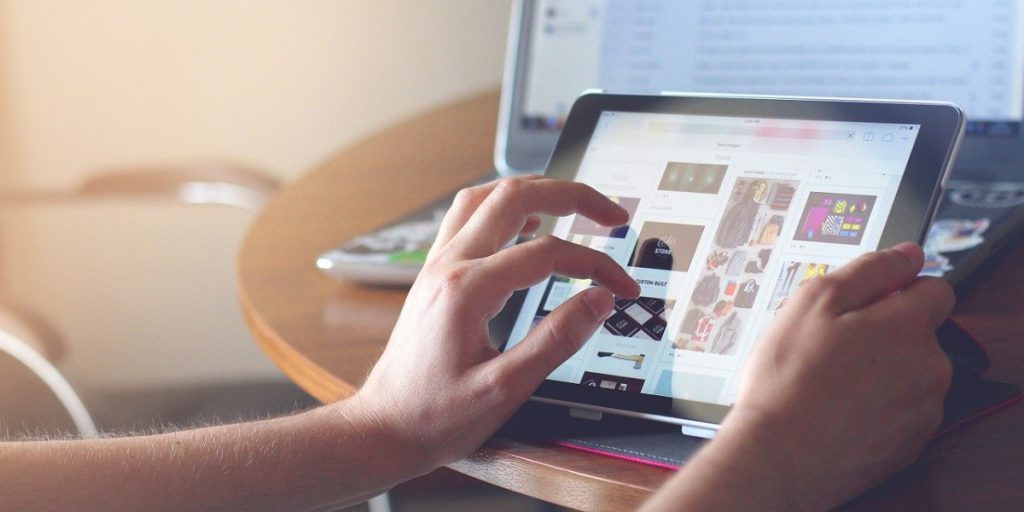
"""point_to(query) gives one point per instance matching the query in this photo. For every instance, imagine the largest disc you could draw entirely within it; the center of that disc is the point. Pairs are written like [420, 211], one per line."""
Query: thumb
[875, 275]
[558, 336]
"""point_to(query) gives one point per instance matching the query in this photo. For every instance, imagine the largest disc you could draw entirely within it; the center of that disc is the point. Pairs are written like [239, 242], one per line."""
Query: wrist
[355, 431]
[747, 466]
[759, 462]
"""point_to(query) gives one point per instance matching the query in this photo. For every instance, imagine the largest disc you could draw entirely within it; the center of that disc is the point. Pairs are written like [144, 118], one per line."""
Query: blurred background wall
[145, 293]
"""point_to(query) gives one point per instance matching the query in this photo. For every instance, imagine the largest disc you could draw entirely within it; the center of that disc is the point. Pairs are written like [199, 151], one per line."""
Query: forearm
[744, 468]
[327, 457]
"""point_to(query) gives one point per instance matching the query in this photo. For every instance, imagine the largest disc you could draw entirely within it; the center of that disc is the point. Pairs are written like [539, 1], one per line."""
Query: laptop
[970, 53]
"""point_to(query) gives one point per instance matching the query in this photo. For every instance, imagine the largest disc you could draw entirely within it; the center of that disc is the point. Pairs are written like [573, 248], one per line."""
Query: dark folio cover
[661, 444]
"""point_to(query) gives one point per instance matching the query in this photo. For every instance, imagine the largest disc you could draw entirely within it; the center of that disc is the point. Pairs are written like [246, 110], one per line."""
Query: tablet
[734, 202]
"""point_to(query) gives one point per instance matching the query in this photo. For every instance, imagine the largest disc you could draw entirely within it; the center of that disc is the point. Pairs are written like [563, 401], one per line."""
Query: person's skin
[805, 433]
[844, 388]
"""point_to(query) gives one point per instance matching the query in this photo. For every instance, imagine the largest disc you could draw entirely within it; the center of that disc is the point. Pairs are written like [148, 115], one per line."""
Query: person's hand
[440, 387]
[844, 388]
[438, 391]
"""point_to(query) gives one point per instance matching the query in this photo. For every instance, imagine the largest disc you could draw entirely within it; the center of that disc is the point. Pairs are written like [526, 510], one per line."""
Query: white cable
[60, 387]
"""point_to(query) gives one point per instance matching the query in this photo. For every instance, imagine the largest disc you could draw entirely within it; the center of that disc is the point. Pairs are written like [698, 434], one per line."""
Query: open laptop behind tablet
[734, 203]
[971, 53]
[968, 52]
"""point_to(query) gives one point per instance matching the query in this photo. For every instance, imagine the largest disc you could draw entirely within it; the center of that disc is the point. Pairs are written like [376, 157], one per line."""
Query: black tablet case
[663, 445]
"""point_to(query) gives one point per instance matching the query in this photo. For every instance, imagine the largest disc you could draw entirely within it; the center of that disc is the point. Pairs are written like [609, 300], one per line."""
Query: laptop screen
[970, 52]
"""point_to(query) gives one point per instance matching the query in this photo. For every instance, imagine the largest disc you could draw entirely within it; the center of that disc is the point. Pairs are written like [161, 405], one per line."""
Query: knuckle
[508, 196]
[824, 290]
[467, 197]
[453, 279]
[556, 329]
[509, 187]
[549, 243]
[497, 384]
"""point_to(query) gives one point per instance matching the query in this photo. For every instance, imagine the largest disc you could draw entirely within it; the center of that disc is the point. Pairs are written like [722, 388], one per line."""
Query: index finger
[464, 205]
[504, 211]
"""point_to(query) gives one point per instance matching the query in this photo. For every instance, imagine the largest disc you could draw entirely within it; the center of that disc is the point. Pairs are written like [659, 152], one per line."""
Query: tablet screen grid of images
[644, 317]
[660, 259]
[667, 247]
[835, 217]
[641, 321]
[694, 178]
[657, 250]
[793, 274]
[664, 250]
[733, 270]
[729, 275]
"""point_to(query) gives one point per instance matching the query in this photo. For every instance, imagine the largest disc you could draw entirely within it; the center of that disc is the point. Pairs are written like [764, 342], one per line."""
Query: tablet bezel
[941, 130]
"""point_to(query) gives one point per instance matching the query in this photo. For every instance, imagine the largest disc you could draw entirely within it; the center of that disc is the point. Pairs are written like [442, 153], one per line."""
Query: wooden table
[326, 335]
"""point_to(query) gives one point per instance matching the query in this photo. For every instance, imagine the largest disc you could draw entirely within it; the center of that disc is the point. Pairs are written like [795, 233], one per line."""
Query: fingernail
[599, 301]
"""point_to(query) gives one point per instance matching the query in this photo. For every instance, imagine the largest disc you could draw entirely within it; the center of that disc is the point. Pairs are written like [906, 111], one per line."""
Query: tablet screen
[728, 217]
